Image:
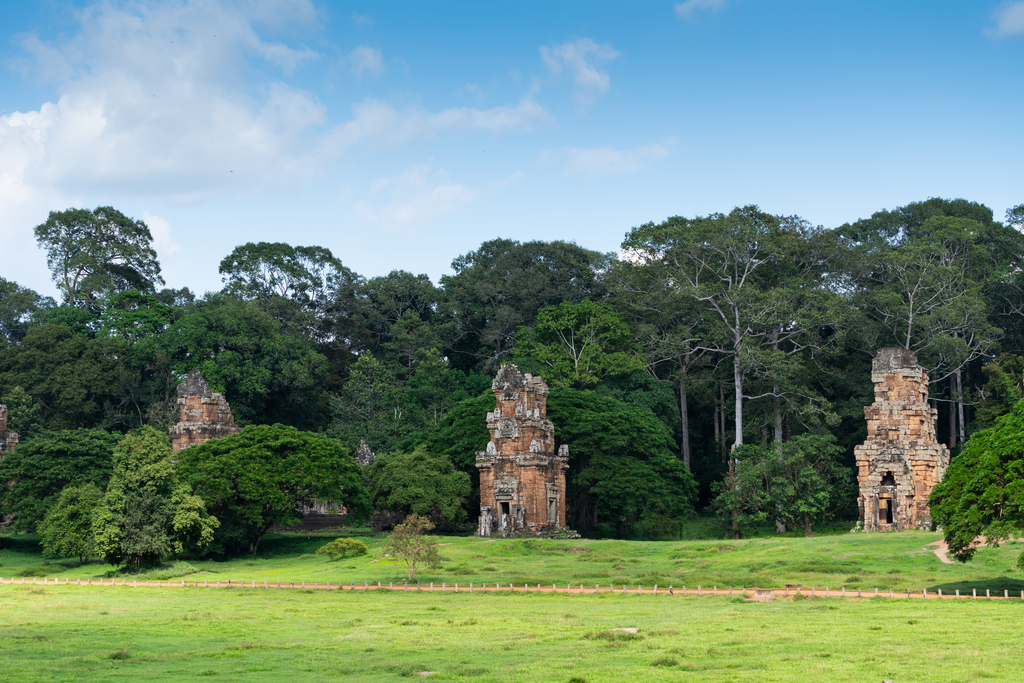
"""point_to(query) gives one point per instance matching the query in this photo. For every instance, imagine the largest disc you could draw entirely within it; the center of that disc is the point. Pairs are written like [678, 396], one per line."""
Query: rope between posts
[569, 589]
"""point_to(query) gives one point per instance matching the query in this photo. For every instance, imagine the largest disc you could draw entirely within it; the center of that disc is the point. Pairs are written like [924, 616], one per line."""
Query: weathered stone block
[204, 415]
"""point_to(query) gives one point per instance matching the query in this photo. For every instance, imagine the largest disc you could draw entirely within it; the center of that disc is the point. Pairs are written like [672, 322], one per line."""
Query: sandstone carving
[522, 479]
[205, 414]
[8, 439]
[901, 460]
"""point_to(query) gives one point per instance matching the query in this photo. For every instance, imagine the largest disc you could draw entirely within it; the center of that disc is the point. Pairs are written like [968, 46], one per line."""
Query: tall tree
[39, 469]
[760, 282]
[578, 344]
[500, 287]
[265, 475]
[95, 254]
[20, 309]
[147, 513]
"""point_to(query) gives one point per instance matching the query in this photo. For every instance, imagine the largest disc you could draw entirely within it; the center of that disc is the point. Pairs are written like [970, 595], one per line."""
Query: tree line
[718, 362]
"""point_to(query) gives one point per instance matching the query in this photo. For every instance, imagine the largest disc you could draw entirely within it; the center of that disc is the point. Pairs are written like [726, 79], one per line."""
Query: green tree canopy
[579, 344]
[20, 309]
[983, 490]
[95, 254]
[147, 514]
[40, 468]
[66, 530]
[265, 474]
[621, 461]
[267, 374]
[801, 483]
[419, 483]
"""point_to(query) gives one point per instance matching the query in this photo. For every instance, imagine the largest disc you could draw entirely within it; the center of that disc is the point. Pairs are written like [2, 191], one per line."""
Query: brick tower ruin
[522, 480]
[901, 460]
[8, 440]
[205, 414]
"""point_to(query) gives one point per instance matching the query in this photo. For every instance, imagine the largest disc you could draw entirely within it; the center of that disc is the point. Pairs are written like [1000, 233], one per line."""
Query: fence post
[940, 593]
[1006, 594]
[987, 594]
[844, 591]
[876, 592]
[974, 592]
[957, 592]
[858, 592]
[698, 591]
[826, 591]
[655, 589]
[684, 590]
[470, 586]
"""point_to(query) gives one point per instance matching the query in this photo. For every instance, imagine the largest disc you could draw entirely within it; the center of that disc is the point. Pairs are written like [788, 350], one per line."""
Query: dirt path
[941, 550]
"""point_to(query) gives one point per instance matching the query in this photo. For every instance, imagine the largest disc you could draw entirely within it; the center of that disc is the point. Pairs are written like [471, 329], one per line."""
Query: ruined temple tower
[522, 480]
[901, 460]
[8, 440]
[205, 414]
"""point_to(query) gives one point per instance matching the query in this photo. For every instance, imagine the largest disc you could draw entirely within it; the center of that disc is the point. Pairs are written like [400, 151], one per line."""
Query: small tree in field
[67, 527]
[341, 547]
[410, 542]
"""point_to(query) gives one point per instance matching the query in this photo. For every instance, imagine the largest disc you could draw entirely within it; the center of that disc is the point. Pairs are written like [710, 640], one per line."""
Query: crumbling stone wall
[205, 414]
[522, 479]
[8, 439]
[901, 460]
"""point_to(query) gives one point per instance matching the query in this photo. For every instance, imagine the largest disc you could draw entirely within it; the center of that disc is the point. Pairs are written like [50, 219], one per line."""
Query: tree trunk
[777, 408]
[952, 412]
[960, 405]
[721, 396]
[737, 378]
[807, 526]
[718, 432]
[684, 419]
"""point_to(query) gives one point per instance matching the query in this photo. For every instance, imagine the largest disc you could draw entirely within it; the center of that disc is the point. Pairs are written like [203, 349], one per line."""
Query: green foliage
[267, 373]
[342, 547]
[1003, 390]
[800, 483]
[41, 467]
[500, 287]
[264, 475]
[419, 483]
[982, 492]
[23, 413]
[622, 456]
[409, 541]
[372, 406]
[146, 513]
[579, 344]
[66, 530]
[94, 254]
[20, 310]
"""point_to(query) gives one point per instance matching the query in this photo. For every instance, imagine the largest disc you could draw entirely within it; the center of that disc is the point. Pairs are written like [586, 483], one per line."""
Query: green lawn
[887, 561]
[79, 633]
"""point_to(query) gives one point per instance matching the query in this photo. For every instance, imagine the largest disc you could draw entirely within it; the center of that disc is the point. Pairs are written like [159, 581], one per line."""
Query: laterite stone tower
[205, 414]
[8, 440]
[901, 460]
[522, 480]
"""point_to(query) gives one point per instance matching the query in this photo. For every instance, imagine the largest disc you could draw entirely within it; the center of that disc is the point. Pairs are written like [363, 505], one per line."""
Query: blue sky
[400, 135]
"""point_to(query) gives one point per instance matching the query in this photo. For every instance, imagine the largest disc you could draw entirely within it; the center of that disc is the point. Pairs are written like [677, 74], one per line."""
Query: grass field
[80, 633]
[887, 561]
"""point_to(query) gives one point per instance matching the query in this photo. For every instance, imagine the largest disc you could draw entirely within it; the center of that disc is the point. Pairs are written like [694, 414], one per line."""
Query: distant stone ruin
[205, 414]
[901, 460]
[365, 456]
[522, 480]
[8, 439]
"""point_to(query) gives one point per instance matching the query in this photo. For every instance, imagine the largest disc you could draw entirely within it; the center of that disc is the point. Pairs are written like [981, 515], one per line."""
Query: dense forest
[742, 333]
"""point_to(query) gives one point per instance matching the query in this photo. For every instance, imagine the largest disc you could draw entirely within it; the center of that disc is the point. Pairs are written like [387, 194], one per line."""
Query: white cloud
[1009, 18]
[417, 195]
[366, 61]
[378, 122]
[362, 19]
[604, 161]
[579, 58]
[690, 7]
[163, 240]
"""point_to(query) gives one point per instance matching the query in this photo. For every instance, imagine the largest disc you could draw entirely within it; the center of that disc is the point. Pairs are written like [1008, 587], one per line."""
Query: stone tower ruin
[901, 460]
[8, 440]
[522, 480]
[205, 414]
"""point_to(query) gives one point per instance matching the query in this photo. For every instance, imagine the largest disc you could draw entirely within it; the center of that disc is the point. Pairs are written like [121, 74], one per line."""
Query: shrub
[342, 547]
